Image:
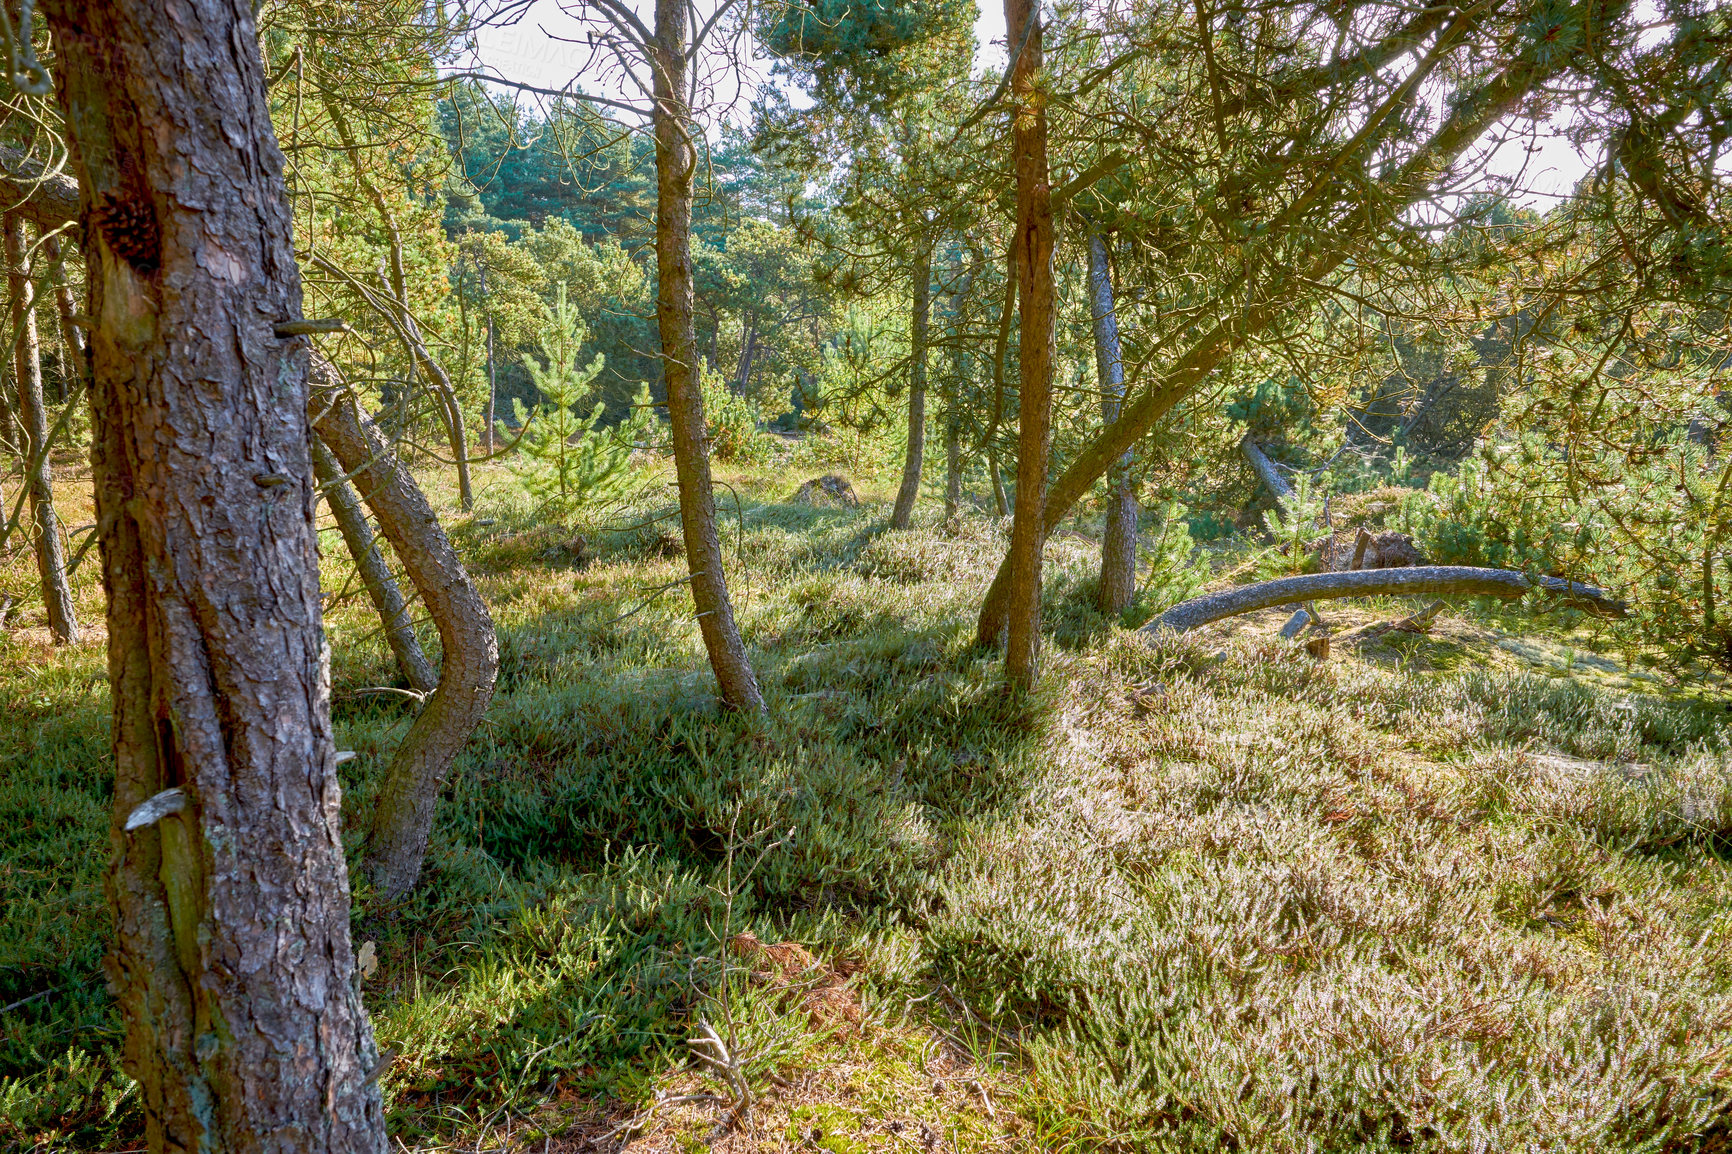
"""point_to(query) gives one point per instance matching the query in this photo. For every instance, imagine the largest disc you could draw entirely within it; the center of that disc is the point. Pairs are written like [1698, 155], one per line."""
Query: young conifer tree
[564, 459]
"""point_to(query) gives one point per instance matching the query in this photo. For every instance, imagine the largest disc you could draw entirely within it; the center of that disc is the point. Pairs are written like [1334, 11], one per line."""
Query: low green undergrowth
[1191, 895]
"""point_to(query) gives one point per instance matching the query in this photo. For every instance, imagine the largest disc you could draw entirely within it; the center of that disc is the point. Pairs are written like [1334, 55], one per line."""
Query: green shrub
[731, 421]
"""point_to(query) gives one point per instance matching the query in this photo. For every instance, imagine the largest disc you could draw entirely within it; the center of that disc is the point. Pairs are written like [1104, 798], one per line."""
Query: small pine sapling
[1292, 523]
[1174, 574]
[563, 458]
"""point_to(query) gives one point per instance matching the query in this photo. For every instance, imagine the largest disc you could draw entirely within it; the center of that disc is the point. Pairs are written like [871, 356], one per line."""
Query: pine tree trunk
[990, 629]
[231, 960]
[919, 339]
[1119, 542]
[33, 414]
[1034, 249]
[674, 165]
[375, 575]
[403, 817]
[70, 339]
[952, 462]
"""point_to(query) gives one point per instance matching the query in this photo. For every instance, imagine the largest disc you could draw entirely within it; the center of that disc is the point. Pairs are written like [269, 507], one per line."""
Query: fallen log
[1444, 580]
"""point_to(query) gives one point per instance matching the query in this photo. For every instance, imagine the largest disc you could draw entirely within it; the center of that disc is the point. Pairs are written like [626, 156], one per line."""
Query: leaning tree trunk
[1034, 247]
[1119, 541]
[375, 575]
[679, 357]
[403, 817]
[919, 328]
[33, 415]
[231, 960]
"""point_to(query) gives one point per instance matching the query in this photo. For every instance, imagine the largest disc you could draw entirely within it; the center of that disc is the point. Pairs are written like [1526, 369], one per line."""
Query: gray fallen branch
[1266, 471]
[1444, 580]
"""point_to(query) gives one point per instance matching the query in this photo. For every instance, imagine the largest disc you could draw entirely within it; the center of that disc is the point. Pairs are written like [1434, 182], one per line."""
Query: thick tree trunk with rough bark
[33, 417]
[375, 575]
[1448, 580]
[231, 960]
[919, 330]
[1033, 248]
[1119, 541]
[403, 818]
[674, 166]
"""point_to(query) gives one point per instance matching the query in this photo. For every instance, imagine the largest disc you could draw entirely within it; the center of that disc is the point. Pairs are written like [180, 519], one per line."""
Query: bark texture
[1033, 249]
[403, 818]
[1119, 541]
[375, 575]
[1265, 469]
[919, 329]
[675, 162]
[231, 959]
[1447, 580]
[33, 419]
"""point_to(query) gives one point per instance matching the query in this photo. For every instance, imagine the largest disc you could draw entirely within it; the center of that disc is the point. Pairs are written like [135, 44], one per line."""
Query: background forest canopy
[1547, 369]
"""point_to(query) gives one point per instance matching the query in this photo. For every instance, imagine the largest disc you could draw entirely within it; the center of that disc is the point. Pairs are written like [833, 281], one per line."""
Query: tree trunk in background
[674, 165]
[748, 346]
[1119, 541]
[403, 818]
[71, 339]
[231, 960]
[374, 573]
[1000, 350]
[919, 330]
[953, 407]
[33, 416]
[1033, 246]
[952, 462]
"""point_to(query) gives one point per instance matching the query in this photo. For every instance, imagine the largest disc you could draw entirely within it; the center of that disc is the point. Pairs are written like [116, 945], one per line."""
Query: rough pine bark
[1119, 542]
[675, 161]
[1034, 250]
[409, 797]
[33, 417]
[919, 340]
[375, 575]
[231, 960]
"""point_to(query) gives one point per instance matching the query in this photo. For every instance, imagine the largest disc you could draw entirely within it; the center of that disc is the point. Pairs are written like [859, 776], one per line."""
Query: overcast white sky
[530, 51]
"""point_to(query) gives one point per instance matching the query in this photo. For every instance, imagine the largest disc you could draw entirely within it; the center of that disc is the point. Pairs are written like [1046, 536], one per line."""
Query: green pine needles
[564, 458]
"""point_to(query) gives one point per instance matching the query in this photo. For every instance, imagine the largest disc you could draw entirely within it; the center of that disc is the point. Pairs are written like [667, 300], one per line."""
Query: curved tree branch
[1444, 580]
[403, 819]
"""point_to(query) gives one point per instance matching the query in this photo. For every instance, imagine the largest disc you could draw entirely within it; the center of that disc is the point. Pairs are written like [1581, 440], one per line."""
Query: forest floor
[1464, 890]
